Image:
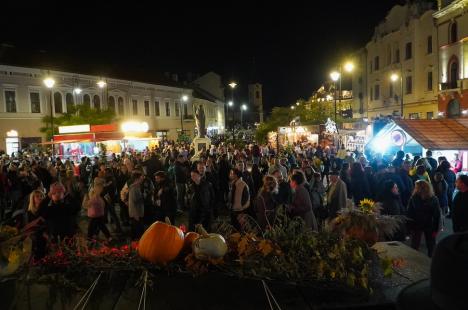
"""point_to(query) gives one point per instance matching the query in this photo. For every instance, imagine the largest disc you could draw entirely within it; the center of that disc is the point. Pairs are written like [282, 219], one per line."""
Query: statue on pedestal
[200, 121]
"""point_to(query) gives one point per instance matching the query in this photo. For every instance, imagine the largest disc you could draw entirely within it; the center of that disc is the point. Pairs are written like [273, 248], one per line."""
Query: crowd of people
[129, 191]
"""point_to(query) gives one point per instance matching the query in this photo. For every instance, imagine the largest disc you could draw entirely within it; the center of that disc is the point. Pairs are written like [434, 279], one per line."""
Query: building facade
[25, 100]
[452, 29]
[256, 100]
[404, 46]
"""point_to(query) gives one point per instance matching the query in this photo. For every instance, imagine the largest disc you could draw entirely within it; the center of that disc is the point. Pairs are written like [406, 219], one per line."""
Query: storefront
[444, 137]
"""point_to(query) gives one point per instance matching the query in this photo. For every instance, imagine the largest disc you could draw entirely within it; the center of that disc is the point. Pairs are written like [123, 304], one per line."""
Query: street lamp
[349, 67]
[394, 78]
[101, 83]
[335, 76]
[243, 108]
[77, 90]
[293, 107]
[231, 103]
[49, 83]
[184, 99]
[298, 103]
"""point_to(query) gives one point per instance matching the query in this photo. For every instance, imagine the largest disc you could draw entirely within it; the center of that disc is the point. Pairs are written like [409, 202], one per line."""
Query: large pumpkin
[161, 243]
[190, 237]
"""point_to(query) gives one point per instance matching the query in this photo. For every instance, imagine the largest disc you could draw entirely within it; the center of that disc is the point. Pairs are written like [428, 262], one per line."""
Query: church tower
[256, 100]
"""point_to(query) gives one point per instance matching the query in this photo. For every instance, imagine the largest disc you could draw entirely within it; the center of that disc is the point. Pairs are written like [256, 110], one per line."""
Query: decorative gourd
[209, 246]
[190, 237]
[161, 243]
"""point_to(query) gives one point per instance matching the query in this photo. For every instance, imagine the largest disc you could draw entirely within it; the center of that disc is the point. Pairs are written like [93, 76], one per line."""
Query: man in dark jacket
[247, 177]
[201, 202]
[301, 205]
[153, 165]
[460, 205]
[431, 162]
[283, 197]
[164, 198]
[181, 181]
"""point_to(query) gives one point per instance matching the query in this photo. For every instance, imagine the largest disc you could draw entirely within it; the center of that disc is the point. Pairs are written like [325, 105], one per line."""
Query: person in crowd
[60, 212]
[360, 189]
[152, 165]
[223, 173]
[39, 241]
[424, 216]
[441, 191]
[283, 197]
[301, 205]
[164, 198]
[449, 177]
[181, 181]
[246, 177]
[239, 198]
[399, 159]
[265, 203]
[345, 176]
[122, 177]
[326, 167]
[136, 204]
[317, 193]
[202, 201]
[460, 205]
[95, 205]
[390, 201]
[457, 164]
[336, 195]
[432, 162]
[277, 166]
[257, 178]
[420, 173]
[408, 184]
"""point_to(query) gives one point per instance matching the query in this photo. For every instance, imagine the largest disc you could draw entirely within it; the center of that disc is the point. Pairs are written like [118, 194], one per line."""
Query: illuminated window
[168, 109]
[120, 106]
[97, 102]
[111, 103]
[135, 106]
[157, 111]
[58, 103]
[147, 108]
[10, 101]
[453, 33]
[35, 99]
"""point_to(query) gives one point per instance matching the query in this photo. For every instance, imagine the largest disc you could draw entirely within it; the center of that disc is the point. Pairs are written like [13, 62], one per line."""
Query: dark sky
[288, 46]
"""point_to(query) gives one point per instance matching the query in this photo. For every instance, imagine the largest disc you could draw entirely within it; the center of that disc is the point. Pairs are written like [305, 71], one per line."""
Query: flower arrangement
[367, 206]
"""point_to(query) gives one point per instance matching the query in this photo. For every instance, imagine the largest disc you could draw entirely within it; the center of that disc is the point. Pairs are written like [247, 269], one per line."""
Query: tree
[78, 115]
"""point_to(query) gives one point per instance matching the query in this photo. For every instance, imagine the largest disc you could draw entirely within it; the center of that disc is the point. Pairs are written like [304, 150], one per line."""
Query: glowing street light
[49, 82]
[185, 98]
[233, 85]
[243, 108]
[349, 66]
[335, 76]
[298, 103]
[77, 90]
[101, 84]
[293, 107]
[394, 77]
[230, 103]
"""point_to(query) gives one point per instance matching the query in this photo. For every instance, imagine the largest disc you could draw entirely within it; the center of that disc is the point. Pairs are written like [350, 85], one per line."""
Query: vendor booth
[444, 137]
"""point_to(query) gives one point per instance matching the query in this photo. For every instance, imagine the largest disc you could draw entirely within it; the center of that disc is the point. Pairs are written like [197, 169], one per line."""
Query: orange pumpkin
[161, 243]
[189, 239]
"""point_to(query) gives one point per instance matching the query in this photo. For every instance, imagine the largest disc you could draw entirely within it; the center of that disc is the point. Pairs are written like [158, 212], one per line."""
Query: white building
[452, 28]
[404, 45]
[25, 100]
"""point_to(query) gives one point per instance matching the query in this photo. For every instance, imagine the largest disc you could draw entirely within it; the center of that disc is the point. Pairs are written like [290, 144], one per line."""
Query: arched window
[58, 102]
[97, 102]
[111, 103]
[120, 103]
[70, 103]
[87, 100]
[453, 74]
[453, 35]
[453, 109]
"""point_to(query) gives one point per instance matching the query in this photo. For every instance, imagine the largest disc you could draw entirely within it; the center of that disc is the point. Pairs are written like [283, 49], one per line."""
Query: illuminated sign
[12, 133]
[398, 137]
[74, 129]
[134, 127]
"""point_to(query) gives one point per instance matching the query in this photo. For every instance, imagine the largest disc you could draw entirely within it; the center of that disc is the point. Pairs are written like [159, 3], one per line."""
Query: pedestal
[200, 145]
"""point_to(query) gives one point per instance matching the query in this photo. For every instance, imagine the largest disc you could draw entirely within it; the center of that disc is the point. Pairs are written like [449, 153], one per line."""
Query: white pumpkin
[209, 245]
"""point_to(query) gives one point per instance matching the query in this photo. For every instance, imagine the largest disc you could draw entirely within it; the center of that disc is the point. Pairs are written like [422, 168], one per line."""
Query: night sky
[288, 46]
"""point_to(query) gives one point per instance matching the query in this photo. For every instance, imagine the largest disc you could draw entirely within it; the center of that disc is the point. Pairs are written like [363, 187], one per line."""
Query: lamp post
[49, 83]
[232, 85]
[335, 76]
[183, 99]
[102, 84]
[243, 108]
[394, 77]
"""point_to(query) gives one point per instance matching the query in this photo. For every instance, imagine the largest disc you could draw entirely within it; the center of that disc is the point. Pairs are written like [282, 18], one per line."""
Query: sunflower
[367, 206]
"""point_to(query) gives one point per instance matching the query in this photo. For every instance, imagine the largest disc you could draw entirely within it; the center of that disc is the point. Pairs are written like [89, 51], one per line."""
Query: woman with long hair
[35, 199]
[33, 214]
[95, 206]
[265, 204]
[390, 201]
[424, 215]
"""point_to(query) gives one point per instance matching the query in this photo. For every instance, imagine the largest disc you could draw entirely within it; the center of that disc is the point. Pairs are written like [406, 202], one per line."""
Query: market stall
[444, 137]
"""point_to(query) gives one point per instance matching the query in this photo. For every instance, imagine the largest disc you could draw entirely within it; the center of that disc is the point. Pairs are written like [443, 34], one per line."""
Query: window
[146, 108]
[97, 102]
[185, 110]
[397, 55]
[177, 108]
[453, 74]
[257, 94]
[58, 102]
[10, 101]
[168, 109]
[376, 92]
[157, 112]
[35, 99]
[120, 106]
[69, 102]
[430, 115]
[87, 100]
[408, 52]
[135, 106]
[429, 80]
[409, 85]
[111, 104]
[414, 116]
[360, 80]
[453, 33]
[371, 93]
[391, 90]
[370, 66]
[376, 63]
[429, 44]
[389, 55]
